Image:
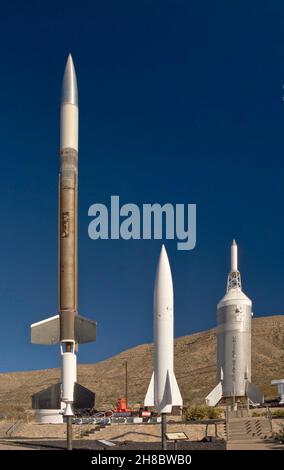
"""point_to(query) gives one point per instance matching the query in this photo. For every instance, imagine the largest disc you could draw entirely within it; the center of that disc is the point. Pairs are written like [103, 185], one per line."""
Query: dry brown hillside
[195, 367]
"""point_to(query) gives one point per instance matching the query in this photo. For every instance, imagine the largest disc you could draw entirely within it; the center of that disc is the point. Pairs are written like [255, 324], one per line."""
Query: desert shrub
[280, 435]
[277, 413]
[214, 413]
[13, 412]
[274, 413]
[258, 414]
[199, 412]
[196, 412]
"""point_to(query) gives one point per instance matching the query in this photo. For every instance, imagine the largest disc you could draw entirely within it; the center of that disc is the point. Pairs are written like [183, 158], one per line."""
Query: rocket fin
[171, 396]
[254, 394]
[85, 330]
[50, 398]
[83, 397]
[168, 396]
[176, 395]
[48, 331]
[149, 399]
[215, 396]
[165, 405]
[47, 399]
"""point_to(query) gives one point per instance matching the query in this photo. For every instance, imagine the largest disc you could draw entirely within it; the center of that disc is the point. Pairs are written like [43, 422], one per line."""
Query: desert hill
[195, 368]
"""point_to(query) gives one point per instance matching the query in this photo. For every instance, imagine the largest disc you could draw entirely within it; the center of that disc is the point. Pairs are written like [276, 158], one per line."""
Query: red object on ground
[121, 406]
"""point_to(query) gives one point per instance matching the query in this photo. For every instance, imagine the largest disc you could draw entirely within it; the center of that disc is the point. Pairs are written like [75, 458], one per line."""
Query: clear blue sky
[181, 102]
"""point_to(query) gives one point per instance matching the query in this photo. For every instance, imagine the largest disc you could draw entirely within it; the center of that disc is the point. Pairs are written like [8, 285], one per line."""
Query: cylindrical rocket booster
[68, 195]
[163, 391]
[234, 335]
[68, 375]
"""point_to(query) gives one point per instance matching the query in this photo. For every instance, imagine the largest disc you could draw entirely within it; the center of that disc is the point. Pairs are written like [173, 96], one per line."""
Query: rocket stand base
[164, 430]
[69, 432]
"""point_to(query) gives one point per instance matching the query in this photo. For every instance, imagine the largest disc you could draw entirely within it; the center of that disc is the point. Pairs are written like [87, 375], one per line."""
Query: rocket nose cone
[163, 250]
[164, 260]
[163, 274]
[69, 84]
[163, 291]
[234, 242]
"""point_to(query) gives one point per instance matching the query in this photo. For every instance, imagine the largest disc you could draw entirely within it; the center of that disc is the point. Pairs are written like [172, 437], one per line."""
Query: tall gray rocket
[234, 342]
[67, 328]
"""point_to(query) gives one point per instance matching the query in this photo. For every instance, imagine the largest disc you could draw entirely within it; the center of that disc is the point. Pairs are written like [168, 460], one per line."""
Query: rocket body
[67, 328]
[163, 391]
[234, 342]
[163, 328]
[234, 314]
[68, 197]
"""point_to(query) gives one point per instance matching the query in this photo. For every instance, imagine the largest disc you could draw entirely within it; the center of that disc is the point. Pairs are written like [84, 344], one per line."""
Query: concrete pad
[254, 445]
[11, 446]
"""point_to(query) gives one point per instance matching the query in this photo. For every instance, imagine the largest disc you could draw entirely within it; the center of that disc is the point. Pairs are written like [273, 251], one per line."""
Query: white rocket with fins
[163, 391]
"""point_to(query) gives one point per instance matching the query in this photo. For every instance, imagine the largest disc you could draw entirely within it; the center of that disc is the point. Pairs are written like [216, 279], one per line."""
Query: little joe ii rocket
[234, 316]
[66, 328]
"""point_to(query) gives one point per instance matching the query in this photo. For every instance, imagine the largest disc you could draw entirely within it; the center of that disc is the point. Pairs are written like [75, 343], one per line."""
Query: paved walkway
[254, 445]
[11, 446]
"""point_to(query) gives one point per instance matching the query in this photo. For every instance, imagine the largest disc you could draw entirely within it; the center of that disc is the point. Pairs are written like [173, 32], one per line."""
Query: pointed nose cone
[163, 259]
[69, 84]
[164, 263]
[164, 284]
[234, 256]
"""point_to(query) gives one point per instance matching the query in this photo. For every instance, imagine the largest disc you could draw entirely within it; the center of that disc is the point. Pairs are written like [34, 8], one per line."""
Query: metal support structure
[227, 422]
[126, 384]
[164, 430]
[234, 281]
[269, 417]
[246, 393]
[69, 433]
